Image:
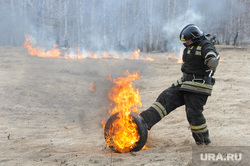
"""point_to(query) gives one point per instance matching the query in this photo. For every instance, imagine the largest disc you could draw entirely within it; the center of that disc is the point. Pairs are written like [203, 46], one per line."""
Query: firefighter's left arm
[212, 60]
[210, 55]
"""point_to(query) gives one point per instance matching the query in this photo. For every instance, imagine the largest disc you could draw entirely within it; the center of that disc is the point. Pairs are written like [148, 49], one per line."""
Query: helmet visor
[185, 41]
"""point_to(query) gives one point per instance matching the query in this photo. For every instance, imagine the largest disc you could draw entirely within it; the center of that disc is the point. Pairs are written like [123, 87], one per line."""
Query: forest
[148, 25]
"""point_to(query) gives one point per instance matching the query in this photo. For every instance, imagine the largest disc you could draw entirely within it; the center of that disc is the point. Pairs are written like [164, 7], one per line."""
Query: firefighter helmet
[191, 32]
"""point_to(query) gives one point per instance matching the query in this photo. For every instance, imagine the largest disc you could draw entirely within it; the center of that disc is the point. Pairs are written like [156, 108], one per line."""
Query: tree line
[150, 25]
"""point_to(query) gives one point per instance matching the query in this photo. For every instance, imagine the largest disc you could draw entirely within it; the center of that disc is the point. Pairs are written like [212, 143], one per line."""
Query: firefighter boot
[151, 117]
[202, 138]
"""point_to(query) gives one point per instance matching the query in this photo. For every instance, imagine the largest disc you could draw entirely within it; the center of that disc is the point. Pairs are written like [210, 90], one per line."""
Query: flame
[144, 147]
[124, 134]
[92, 88]
[53, 53]
[179, 59]
[78, 55]
[136, 55]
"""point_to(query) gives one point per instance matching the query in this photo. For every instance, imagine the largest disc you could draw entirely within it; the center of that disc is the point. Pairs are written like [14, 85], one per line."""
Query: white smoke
[107, 25]
[172, 29]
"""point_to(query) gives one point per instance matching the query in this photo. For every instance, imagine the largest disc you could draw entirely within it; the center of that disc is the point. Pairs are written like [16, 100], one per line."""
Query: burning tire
[110, 131]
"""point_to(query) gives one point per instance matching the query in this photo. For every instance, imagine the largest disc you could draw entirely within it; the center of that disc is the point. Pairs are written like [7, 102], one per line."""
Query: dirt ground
[49, 116]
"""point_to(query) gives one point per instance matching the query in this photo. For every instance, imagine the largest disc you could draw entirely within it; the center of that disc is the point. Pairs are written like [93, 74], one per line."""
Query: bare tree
[102, 25]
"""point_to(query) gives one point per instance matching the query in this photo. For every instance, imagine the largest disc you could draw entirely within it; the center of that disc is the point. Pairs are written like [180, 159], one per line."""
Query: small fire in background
[58, 53]
[125, 98]
[53, 53]
[137, 56]
[92, 88]
[179, 59]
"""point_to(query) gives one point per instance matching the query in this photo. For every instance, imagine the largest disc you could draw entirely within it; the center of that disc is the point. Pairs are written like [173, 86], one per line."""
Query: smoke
[172, 30]
[112, 25]
[208, 15]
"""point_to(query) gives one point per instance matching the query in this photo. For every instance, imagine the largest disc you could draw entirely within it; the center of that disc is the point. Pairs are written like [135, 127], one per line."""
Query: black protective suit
[191, 90]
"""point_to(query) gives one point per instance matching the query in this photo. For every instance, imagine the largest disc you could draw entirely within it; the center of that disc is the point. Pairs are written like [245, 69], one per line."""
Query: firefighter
[200, 60]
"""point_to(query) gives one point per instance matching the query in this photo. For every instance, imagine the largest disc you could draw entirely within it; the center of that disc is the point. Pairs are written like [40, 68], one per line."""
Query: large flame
[124, 134]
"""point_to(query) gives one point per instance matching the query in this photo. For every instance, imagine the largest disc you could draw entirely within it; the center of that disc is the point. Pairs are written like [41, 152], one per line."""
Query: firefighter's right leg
[194, 108]
[166, 102]
[198, 126]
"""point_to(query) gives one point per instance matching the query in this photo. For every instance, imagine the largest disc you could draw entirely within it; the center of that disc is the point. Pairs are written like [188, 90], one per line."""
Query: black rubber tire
[142, 130]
